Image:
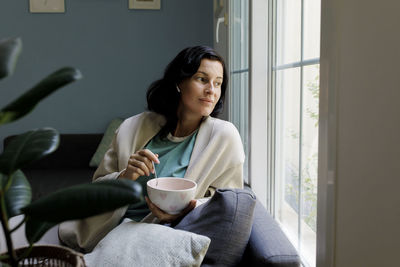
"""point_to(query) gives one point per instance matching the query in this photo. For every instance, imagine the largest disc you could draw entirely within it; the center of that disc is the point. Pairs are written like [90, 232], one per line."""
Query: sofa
[69, 165]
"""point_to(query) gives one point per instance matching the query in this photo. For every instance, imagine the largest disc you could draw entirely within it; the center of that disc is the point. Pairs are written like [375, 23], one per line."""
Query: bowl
[171, 194]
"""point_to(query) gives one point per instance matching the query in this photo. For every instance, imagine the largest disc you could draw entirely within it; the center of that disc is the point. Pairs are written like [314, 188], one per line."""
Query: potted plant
[71, 203]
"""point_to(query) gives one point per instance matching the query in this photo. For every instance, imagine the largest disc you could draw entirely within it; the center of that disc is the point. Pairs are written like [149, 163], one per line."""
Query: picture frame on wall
[144, 4]
[46, 6]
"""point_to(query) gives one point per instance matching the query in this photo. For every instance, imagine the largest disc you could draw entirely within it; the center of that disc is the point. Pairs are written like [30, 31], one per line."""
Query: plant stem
[7, 234]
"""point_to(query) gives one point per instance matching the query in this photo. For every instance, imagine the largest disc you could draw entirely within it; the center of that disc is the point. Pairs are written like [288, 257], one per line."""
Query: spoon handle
[155, 173]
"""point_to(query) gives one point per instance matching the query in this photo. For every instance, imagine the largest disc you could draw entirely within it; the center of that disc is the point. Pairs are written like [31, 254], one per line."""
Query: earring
[177, 89]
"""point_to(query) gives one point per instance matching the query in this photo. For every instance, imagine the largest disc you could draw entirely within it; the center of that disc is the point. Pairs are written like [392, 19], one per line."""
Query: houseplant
[71, 203]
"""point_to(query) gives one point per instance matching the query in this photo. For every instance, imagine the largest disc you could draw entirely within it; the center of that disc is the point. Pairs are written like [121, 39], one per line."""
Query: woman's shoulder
[225, 135]
[222, 127]
[144, 117]
[222, 132]
[143, 123]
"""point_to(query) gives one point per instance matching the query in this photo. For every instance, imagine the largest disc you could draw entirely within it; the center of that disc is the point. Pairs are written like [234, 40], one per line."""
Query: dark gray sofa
[69, 165]
[268, 245]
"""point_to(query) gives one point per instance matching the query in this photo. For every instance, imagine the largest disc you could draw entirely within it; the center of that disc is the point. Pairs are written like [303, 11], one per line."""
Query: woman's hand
[169, 218]
[140, 164]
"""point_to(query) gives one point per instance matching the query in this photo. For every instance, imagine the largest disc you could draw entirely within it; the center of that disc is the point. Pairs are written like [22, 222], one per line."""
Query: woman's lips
[207, 100]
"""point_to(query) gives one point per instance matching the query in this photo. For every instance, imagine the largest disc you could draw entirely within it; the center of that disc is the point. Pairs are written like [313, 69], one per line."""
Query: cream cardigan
[216, 162]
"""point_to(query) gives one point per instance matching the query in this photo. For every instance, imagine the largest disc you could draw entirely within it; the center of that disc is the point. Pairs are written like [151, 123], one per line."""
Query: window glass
[287, 149]
[296, 88]
[309, 160]
[312, 18]
[239, 72]
[288, 24]
[293, 92]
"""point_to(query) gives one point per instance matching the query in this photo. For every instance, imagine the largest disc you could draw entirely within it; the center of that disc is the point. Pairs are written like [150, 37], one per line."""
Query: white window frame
[262, 131]
[238, 68]
[260, 104]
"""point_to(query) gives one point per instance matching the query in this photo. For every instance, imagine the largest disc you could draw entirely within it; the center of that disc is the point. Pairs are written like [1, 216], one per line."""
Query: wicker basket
[51, 256]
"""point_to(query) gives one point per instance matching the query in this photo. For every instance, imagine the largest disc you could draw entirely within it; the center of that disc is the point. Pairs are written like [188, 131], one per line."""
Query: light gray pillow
[143, 244]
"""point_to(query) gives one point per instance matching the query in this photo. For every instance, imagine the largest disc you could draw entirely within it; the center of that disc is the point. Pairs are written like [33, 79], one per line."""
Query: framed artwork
[46, 6]
[144, 4]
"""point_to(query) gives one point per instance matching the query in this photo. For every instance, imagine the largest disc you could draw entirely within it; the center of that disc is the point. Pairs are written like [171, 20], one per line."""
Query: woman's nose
[210, 88]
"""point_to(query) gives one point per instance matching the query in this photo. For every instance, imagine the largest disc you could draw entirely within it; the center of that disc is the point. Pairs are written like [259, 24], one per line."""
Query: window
[295, 83]
[283, 107]
[239, 72]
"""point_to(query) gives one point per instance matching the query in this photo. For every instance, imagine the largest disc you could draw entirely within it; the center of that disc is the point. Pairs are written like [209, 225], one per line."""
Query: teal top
[174, 156]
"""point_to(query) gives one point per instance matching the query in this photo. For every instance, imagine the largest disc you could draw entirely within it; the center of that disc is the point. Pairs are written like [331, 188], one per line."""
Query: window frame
[262, 123]
[238, 68]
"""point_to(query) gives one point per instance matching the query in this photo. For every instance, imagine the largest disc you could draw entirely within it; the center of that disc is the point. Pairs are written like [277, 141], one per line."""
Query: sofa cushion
[105, 142]
[142, 244]
[268, 245]
[68, 165]
[74, 151]
[45, 181]
[226, 219]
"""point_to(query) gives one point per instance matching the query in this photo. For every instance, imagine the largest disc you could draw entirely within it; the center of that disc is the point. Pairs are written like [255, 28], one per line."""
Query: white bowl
[171, 194]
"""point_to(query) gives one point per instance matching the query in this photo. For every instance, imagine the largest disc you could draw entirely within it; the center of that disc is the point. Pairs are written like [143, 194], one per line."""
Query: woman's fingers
[190, 207]
[161, 215]
[144, 159]
[134, 169]
[169, 218]
[140, 164]
[150, 155]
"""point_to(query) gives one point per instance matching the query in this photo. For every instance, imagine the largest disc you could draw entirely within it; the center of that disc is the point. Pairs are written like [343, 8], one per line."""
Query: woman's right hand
[140, 164]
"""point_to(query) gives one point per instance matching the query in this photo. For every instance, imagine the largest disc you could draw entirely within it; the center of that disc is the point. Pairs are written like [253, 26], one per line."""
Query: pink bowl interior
[171, 184]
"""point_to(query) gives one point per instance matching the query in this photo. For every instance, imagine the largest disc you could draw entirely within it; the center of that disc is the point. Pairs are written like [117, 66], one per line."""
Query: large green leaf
[81, 201]
[26, 102]
[28, 147]
[9, 52]
[18, 195]
[78, 202]
[35, 229]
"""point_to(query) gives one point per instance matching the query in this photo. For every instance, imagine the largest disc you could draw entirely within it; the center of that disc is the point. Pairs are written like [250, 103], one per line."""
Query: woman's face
[201, 92]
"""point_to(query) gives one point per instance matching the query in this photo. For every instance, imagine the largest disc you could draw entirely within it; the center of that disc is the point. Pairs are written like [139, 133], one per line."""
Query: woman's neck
[186, 126]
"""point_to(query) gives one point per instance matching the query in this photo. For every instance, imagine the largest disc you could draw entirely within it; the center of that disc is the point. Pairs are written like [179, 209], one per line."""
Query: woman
[178, 133]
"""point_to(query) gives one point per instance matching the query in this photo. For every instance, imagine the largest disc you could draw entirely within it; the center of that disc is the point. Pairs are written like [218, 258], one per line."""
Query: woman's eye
[217, 84]
[201, 79]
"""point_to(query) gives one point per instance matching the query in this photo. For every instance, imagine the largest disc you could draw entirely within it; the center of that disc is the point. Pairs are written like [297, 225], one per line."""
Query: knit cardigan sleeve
[132, 135]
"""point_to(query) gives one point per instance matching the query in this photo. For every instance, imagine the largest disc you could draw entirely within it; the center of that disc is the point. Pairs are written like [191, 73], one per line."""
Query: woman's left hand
[169, 218]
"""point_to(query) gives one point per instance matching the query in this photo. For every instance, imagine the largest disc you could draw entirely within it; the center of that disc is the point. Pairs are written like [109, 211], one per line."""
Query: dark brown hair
[162, 96]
